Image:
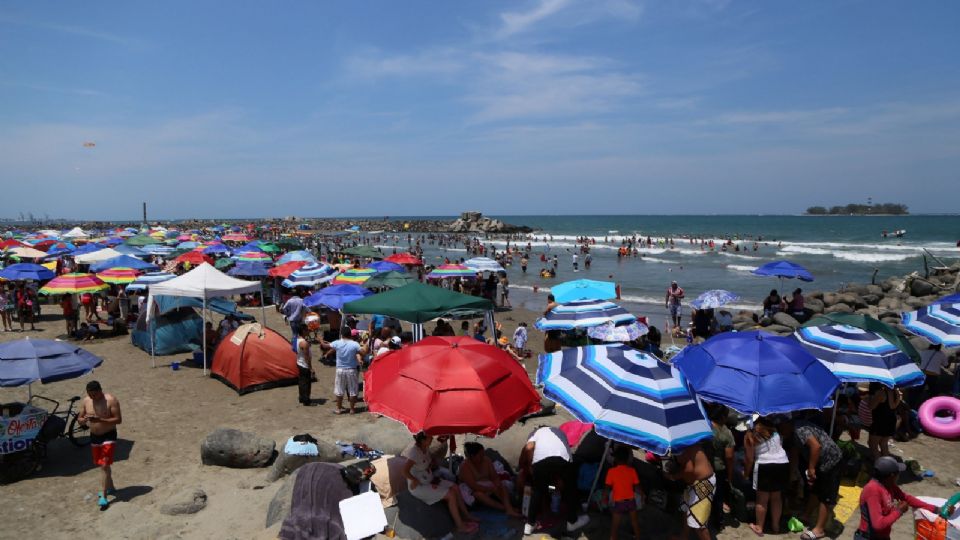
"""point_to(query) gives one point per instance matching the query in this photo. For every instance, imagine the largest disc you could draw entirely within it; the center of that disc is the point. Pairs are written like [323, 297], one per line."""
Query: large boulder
[888, 314]
[839, 307]
[914, 303]
[830, 299]
[855, 288]
[874, 289]
[743, 326]
[890, 303]
[871, 299]
[236, 449]
[779, 329]
[287, 463]
[814, 294]
[784, 319]
[851, 299]
[920, 287]
[188, 501]
[814, 305]
[414, 519]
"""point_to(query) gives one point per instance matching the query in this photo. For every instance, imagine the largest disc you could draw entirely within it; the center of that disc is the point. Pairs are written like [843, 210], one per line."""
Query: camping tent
[177, 328]
[254, 358]
[417, 303]
[204, 282]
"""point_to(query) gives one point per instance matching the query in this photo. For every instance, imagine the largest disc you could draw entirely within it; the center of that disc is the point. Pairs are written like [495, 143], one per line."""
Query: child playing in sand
[623, 491]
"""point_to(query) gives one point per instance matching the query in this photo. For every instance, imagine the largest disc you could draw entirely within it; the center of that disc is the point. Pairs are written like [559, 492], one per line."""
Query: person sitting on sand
[479, 480]
[795, 307]
[430, 489]
[773, 304]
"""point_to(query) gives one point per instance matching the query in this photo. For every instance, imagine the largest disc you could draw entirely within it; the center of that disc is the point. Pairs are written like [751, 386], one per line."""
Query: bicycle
[69, 424]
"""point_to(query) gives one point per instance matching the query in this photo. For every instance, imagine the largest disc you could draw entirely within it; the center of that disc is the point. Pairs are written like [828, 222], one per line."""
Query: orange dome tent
[254, 358]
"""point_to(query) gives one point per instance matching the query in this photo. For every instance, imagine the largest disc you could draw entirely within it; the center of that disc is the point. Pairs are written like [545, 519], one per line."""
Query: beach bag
[86, 299]
[929, 526]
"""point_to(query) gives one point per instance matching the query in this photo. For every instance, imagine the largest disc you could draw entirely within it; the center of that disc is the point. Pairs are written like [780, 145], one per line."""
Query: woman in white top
[304, 371]
[430, 489]
[767, 461]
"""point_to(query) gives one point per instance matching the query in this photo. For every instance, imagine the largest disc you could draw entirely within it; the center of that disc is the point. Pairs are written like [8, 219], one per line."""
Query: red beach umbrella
[285, 269]
[405, 258]
[450, 385]
[194, 257]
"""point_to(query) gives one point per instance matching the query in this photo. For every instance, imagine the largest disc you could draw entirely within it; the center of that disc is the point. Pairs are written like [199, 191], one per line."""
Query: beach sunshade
[856, 355]
[939, 323]
[141, 240]
[250, 246]
[950, 299]
[417, 303]
[297, 256]
[310, 275]
[363, 251]
[27, 253]
[190, 244]
[389, 280]
[11, 243]
[868, 323]
[253, 256]
[484, 264]
[235, 237]
[217, 249]
[714, 298]
[354, 276]
[144, 281]
[784, 270]
[74, 284]
[24, 271]
[248, 269]
[405, 258]
[386, 266]
[123, 249]
[450, 385]
[284, 270]
[224, 263]
[25, 361]
[336, 296]
[118, 275]
[621, 333]
[629, 396]
[450, 271]
[583, 289]
[269, 247]
[757, 372]
[583, 314]
[123, 261]
[194, 257]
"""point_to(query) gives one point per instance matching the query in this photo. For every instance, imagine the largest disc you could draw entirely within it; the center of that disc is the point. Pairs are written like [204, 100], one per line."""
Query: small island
[880, 209]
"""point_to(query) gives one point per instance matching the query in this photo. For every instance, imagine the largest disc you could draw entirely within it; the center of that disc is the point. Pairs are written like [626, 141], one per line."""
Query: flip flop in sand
[807, 534]
[339, 411]
[756, 530]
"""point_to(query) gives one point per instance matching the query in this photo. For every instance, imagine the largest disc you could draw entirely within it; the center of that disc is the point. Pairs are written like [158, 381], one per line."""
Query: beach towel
[315, 504]
[388, 478]
[358, 450]
[298, 448]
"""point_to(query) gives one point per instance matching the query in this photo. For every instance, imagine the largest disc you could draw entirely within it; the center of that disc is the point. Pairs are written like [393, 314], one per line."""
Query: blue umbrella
[784, 269]
[939, 323]
[628, 395]
[249, 269]
[310, 275]
[757, 372]
[157, 249]
[29, 360]
[583, 314]
[250, 246]
[22, 271]
[583, 289]
[951, 299]
[714, 298]
[144, 281]
[217, 248]
[187, 245]
[89, 248]
[336, 296]
[130, 250]
[294, 256]
[386, 266]
[857, 355]
[123, 261]
[484, 264]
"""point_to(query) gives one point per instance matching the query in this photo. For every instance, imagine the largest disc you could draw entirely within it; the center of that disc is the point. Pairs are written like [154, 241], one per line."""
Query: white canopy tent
[76, 232]
[97, 256]
[204, 282]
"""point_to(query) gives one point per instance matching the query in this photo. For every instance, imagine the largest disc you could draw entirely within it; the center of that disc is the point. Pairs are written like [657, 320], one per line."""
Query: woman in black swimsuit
[883, 403]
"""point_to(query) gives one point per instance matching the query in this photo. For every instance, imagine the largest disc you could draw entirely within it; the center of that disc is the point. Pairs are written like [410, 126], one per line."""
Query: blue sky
[239, 108]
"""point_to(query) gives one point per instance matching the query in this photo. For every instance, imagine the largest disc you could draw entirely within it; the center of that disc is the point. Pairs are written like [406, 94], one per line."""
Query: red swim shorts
[102, 448]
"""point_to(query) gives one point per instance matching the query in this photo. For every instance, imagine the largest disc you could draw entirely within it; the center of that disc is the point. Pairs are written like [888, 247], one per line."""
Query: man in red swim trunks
[101, 412]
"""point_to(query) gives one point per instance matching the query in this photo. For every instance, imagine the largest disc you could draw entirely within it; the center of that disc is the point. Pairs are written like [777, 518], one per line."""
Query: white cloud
[373, 64]
[71, 30]
[517, 22]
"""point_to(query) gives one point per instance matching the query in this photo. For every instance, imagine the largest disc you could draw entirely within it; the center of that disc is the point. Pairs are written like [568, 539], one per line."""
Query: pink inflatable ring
[949, 429]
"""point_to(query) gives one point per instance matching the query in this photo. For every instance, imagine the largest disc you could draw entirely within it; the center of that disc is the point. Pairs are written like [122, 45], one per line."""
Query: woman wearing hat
[882, 502]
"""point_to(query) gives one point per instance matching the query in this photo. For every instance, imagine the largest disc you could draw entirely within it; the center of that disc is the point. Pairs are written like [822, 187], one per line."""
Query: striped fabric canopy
[628, 395]
[583, 314]
[483, 264]
[354, 276]
[445, 271]
[253, 256]
[118, 275]
[310, 276]
[144, 281]
[74, 284]
[295, 256]
[857, 355]
[939, 323]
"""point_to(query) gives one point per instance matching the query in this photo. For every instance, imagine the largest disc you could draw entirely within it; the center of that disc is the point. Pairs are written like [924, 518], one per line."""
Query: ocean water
[836, 249]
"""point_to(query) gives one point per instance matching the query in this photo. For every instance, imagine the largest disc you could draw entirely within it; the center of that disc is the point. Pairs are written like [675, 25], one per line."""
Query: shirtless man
[478, 473]
[693, 467]
[101, 412]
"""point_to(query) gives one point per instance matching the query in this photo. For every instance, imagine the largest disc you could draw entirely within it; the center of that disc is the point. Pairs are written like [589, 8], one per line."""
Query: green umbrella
[289, 244]
[141, 240]
[363, 251]
[390, 280]
[417, 303]
[866, 322]
[269, 247]
[223, 263]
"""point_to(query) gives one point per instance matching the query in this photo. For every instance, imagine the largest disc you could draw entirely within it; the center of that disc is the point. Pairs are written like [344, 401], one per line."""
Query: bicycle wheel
[78, 434]
[19, 465]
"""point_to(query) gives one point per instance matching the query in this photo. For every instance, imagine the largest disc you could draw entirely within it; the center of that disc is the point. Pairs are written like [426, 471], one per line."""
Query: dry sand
[167, 413]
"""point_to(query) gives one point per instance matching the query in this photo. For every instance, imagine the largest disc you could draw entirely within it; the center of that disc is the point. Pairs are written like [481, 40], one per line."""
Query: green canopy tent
[417, 303]
[141, 240]
[363, 251]
[866, 322]
[389, 280]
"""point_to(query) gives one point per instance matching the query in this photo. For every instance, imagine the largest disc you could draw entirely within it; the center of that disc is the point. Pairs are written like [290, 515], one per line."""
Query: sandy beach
[167, 413]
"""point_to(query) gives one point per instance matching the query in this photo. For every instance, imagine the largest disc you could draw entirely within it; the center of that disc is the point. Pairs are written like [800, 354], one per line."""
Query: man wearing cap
[882, 502]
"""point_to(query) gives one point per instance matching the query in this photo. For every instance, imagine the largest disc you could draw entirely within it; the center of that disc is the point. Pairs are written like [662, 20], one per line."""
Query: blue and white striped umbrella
[144, 281]
[157, 249]
[714, 298]
[628, 395]
[583, 314]
[857, 355]
[310, 275]
[483, 264]
[300, 255]
[939, 323]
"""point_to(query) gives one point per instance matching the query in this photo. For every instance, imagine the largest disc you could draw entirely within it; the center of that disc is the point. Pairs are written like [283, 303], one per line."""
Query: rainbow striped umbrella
[253, 256]
[452, 271]
[354, 276]
[74, 284]
[119, 275]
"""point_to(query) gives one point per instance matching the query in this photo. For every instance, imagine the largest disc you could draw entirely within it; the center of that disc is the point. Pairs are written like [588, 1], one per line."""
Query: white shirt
[303, 353]
[549, 442]
[932, 361]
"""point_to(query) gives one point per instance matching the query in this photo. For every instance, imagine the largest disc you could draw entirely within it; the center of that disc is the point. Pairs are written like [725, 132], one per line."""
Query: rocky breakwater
[475, 222]
[885, 301]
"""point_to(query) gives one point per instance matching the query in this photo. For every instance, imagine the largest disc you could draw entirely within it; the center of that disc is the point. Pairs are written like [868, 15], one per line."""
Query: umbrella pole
[263, 313]
[204, 335]
[833, 418]
[596, 477]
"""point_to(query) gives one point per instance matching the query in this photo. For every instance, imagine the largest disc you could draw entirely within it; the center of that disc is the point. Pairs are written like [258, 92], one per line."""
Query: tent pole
[263, 313]
[204, 322]
[833, 418]
[596, 478]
